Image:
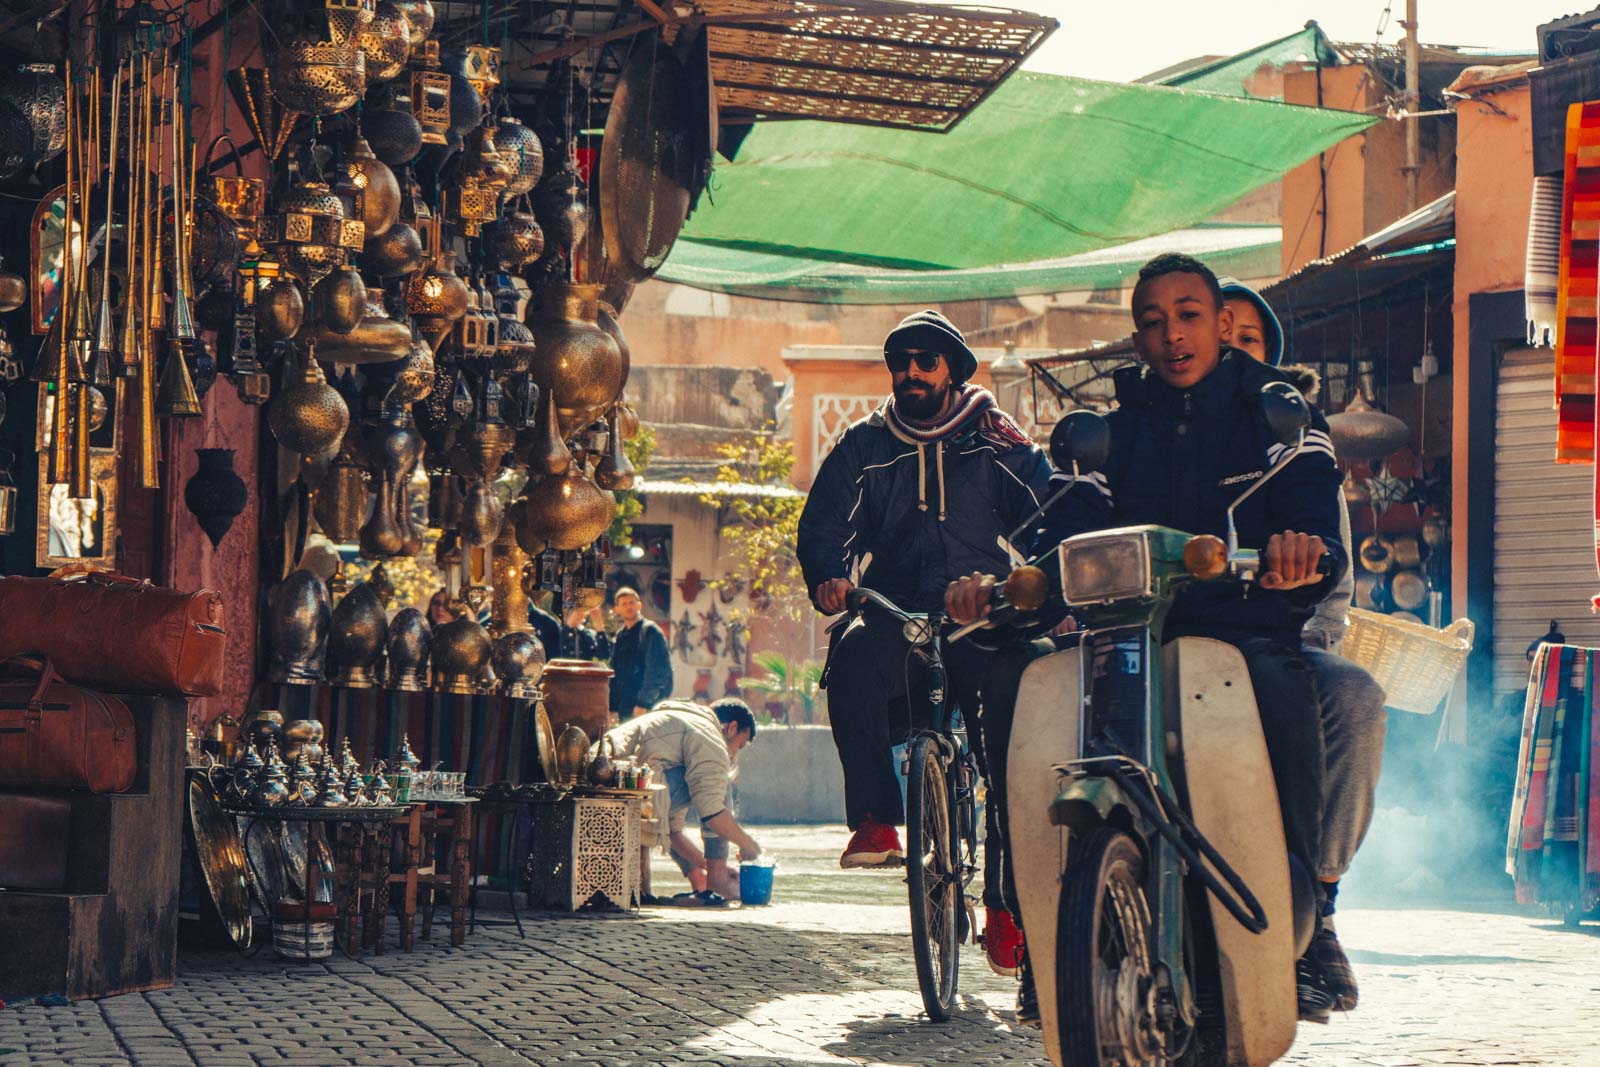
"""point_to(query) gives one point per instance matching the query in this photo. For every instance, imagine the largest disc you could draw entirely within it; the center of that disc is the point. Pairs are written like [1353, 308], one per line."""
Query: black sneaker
[1311, 992]
[1027, 997]
[1338, 978]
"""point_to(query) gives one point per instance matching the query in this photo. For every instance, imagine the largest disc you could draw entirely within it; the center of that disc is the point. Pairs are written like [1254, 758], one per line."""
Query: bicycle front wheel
[933, 877]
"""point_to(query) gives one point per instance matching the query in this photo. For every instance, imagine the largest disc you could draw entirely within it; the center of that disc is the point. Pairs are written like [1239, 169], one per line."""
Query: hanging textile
[1553, 841]
[1576, 287]
[1542, 270]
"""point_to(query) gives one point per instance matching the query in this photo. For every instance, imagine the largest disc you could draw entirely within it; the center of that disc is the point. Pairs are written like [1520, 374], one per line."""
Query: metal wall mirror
[81, 531]
[49, 226]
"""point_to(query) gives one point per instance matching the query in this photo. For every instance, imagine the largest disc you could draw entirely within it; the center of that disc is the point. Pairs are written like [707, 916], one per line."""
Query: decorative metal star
[1386, 490]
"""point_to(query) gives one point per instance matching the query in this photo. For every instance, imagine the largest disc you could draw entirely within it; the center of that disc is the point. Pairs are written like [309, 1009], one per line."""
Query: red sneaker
[874, 844]
[1002, 942]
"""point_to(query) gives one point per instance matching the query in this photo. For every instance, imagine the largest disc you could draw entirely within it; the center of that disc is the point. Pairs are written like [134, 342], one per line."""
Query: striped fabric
[1542, 268]
[1576, 287]
[1553, 845]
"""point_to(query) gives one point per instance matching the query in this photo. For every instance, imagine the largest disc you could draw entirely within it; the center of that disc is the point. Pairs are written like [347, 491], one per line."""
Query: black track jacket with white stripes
[1179, 458]
[865, 509]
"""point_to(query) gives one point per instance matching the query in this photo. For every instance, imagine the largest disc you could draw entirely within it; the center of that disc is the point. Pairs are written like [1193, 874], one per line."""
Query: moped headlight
[916, 632]
[1098, 569]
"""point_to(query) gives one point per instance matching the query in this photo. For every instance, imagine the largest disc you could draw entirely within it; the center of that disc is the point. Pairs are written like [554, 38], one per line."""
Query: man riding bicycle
[929, 487]
[1186, 441]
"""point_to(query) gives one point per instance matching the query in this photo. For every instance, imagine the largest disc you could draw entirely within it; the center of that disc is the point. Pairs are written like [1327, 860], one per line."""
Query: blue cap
[1234, 289]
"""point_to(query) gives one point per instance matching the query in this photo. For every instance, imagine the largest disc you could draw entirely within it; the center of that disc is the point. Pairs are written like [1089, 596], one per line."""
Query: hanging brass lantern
[310, 234]
[437, 299]
[341, 300]
[479, 65]
[521, 148]
[419, 16]
[517, 240]
[386, 43]
[317, 77]
[378, 191]
[309, 417]
[482, 159]
[347, 18]
[579, 365]
[341, 501]
[430, 86]
[566, 511]
[397, 252]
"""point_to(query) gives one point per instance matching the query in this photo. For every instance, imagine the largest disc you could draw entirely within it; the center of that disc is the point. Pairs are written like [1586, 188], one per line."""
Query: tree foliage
[758, 532]
[629, 505]
[794, 684]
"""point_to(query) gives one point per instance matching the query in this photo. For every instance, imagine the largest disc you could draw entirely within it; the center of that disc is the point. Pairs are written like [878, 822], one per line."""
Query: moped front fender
[1086, 803]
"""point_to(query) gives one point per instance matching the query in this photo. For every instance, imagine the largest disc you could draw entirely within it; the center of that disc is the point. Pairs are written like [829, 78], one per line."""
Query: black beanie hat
[932, 331]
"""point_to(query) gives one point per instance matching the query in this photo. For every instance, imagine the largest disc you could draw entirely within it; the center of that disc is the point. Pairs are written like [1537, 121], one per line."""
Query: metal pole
[1412, 104]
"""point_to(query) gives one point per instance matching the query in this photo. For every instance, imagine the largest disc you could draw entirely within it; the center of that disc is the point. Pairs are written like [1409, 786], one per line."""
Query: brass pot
[606, 316]
[627, 421]
[377, 339]
[410, 642]
[302, 736]
[461, 650]
[297, 627]
[318, 77]
[261, 726]
[419, 14]
[357, 637]
[578, 363]
[310, 416]
[341, 502]
[394, 134]
[527, 540]
[414, 381]
[397, 252]
[615, 470]
[13, 290]
[280, 310]
[385, 42]
[517, 241]
[521, 147]
[437, 298]
[517, 662]
[566, 511]
[572, 754]
[341, 300]
[508, 608]
[378, 190]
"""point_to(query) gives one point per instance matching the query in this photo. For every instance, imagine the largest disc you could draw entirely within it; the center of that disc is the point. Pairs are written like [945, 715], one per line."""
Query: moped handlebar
[857, 599]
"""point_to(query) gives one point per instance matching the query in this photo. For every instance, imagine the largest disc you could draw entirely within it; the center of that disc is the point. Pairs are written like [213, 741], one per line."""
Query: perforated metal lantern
[386, 43]
[309, 232]
[316, 76]
[430, 92]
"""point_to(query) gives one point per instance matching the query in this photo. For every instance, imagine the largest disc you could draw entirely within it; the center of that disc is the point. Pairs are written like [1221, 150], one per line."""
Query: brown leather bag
[58, 736]
[116, 633]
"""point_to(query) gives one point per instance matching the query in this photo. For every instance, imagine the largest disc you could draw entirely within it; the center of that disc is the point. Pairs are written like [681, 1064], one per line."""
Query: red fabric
[1577, 286]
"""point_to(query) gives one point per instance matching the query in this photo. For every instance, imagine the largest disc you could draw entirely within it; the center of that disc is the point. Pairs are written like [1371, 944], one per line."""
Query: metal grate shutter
[1544, 566]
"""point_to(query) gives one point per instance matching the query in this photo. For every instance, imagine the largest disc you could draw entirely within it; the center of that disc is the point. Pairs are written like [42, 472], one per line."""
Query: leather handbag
[115, 633]
[58, 736]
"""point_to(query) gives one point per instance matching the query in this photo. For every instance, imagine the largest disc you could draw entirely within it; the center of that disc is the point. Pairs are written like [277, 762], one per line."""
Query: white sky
[1115, 41]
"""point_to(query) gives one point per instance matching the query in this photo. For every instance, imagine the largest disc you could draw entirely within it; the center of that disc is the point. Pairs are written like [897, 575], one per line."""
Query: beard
[919, 401]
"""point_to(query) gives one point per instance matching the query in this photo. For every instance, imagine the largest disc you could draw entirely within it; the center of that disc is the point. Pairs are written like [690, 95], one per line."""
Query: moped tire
[933, 879]
[1105, 999]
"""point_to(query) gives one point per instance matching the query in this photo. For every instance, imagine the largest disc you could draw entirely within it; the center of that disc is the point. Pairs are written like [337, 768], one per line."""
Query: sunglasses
[927, 362]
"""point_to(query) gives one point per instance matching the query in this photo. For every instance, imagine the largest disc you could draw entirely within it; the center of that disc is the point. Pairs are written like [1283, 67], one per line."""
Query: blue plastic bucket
[755, 884]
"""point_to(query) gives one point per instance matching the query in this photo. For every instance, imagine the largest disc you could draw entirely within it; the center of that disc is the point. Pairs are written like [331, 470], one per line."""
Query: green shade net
[1047, 167]
[1240, 251]
[1229, 75]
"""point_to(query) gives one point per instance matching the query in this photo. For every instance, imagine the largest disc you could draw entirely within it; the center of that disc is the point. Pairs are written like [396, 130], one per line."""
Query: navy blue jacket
[642, 668]
[1178, 459]
[867, 511]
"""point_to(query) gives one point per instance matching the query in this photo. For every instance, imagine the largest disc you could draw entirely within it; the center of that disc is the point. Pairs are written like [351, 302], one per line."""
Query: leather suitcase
[118, 634]
[58, 736]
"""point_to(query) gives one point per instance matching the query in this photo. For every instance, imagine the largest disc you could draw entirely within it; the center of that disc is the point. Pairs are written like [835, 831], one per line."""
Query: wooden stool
[446, 830]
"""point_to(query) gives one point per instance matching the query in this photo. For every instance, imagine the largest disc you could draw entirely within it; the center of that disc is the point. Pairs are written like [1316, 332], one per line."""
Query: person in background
[580, 640]
[439, 611]
[547, 628]
[1354, 721]
[641, 666]
[692, 748]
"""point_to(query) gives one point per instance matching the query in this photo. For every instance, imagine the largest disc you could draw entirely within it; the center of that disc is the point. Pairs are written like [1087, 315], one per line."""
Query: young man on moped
[1186, 440]
[928, 487]
[1354, 719]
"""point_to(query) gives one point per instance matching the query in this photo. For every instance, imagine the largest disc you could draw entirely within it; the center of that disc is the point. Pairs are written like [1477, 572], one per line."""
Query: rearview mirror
[1286, 411]
[1081, 442]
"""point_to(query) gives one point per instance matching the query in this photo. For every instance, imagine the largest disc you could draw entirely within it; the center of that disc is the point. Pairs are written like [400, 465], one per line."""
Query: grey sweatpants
[1353, 726]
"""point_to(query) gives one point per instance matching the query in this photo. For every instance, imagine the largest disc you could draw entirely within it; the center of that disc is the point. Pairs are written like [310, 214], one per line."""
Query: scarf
[994, 426]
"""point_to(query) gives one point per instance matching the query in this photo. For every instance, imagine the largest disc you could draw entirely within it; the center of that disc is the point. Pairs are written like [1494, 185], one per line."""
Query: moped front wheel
[1105, 986]
[933, 879]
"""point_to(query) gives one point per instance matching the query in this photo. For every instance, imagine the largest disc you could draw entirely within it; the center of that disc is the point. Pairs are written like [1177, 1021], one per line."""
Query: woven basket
[1416, 664]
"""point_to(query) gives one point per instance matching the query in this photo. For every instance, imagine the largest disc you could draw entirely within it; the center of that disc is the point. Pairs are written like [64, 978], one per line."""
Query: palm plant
[795, 684]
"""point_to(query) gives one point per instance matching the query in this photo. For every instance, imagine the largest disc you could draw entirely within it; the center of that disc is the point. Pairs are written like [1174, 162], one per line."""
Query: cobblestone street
[813, 980]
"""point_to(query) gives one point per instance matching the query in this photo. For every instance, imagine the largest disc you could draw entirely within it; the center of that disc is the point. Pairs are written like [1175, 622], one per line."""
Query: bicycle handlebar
[858, 598]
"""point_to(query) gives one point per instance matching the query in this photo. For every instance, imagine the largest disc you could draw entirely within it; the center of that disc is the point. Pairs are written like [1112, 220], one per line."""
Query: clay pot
[521, 147]
[385, 42]
[577, 692]
[461, 650]
[215, 494]
[395, 135]
[397, 252]
[578, 364]
[378, 190]
[297, 628]
[376, 339]
[357, 638]
[280, 310]
[410, 642]
[566, 511]
[309, 417]
[341, 300]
